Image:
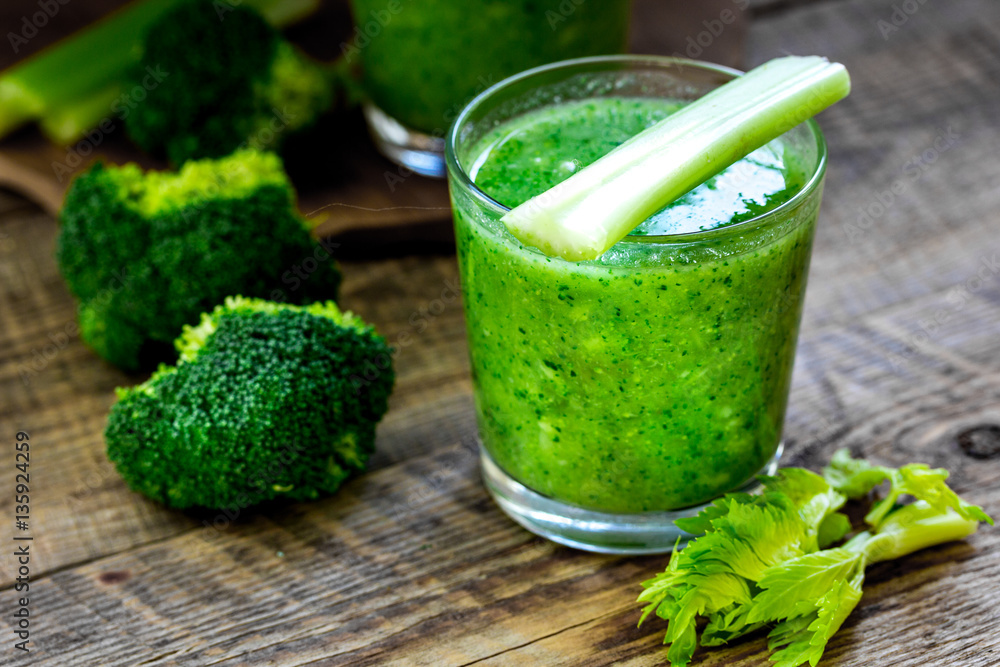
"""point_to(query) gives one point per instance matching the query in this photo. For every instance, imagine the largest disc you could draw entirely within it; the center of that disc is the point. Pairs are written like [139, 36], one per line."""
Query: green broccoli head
[266, 401]
[146, 253]
[226, 80]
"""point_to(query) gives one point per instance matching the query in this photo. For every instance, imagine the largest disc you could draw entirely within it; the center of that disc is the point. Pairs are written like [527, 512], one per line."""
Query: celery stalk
[85, 62]
[284, 12]
[70, 85]
[909, 529]
[68, 123]
[582, 217]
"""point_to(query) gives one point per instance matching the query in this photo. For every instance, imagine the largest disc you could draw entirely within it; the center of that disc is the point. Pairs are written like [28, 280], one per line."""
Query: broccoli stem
[71, 85]
[586, 214]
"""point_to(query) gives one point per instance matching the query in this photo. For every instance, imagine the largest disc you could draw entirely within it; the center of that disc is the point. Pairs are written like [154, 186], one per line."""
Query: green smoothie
[653, 378]
[423, 60]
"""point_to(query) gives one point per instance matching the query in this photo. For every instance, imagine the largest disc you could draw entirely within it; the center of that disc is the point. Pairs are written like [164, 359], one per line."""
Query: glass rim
[454, 167]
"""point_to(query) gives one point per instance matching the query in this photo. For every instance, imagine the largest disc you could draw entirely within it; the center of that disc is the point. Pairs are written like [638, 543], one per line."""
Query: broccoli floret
[226, 79]
[147, 253]
[266, 401]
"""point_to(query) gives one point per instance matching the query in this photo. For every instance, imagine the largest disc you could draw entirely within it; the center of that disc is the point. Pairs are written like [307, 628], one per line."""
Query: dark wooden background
[412, 564]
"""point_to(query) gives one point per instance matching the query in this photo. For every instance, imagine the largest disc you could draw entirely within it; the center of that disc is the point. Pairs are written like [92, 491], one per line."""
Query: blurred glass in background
[423, 60]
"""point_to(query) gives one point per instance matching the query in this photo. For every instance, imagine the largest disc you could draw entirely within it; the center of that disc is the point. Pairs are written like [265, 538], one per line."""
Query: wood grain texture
[413, 565]
[938, 71]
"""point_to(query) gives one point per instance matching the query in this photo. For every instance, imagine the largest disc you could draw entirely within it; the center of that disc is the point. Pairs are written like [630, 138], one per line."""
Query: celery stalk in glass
[582, 217]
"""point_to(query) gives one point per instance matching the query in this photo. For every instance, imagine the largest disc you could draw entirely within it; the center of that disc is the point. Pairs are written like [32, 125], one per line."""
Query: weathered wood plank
[762, 8]
[938, 71]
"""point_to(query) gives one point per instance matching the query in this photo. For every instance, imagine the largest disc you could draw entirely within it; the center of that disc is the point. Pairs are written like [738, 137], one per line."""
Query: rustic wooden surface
[413, 565]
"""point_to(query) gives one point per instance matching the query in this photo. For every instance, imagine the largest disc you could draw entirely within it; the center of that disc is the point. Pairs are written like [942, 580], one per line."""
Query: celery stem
[67, 84]
[585, 215]
[911, 528]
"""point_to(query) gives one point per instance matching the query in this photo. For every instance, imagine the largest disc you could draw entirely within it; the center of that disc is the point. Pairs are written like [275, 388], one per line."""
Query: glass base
[406, 147]
[590, 530]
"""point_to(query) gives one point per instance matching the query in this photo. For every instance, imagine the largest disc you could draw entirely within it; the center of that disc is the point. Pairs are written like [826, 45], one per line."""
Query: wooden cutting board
[341, 179]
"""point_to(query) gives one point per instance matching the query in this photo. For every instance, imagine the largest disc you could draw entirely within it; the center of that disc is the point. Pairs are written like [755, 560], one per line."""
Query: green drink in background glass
[423, 60]
[616, 395]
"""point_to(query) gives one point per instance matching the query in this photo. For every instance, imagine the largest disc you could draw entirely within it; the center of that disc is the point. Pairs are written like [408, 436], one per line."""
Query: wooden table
[412, 564]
